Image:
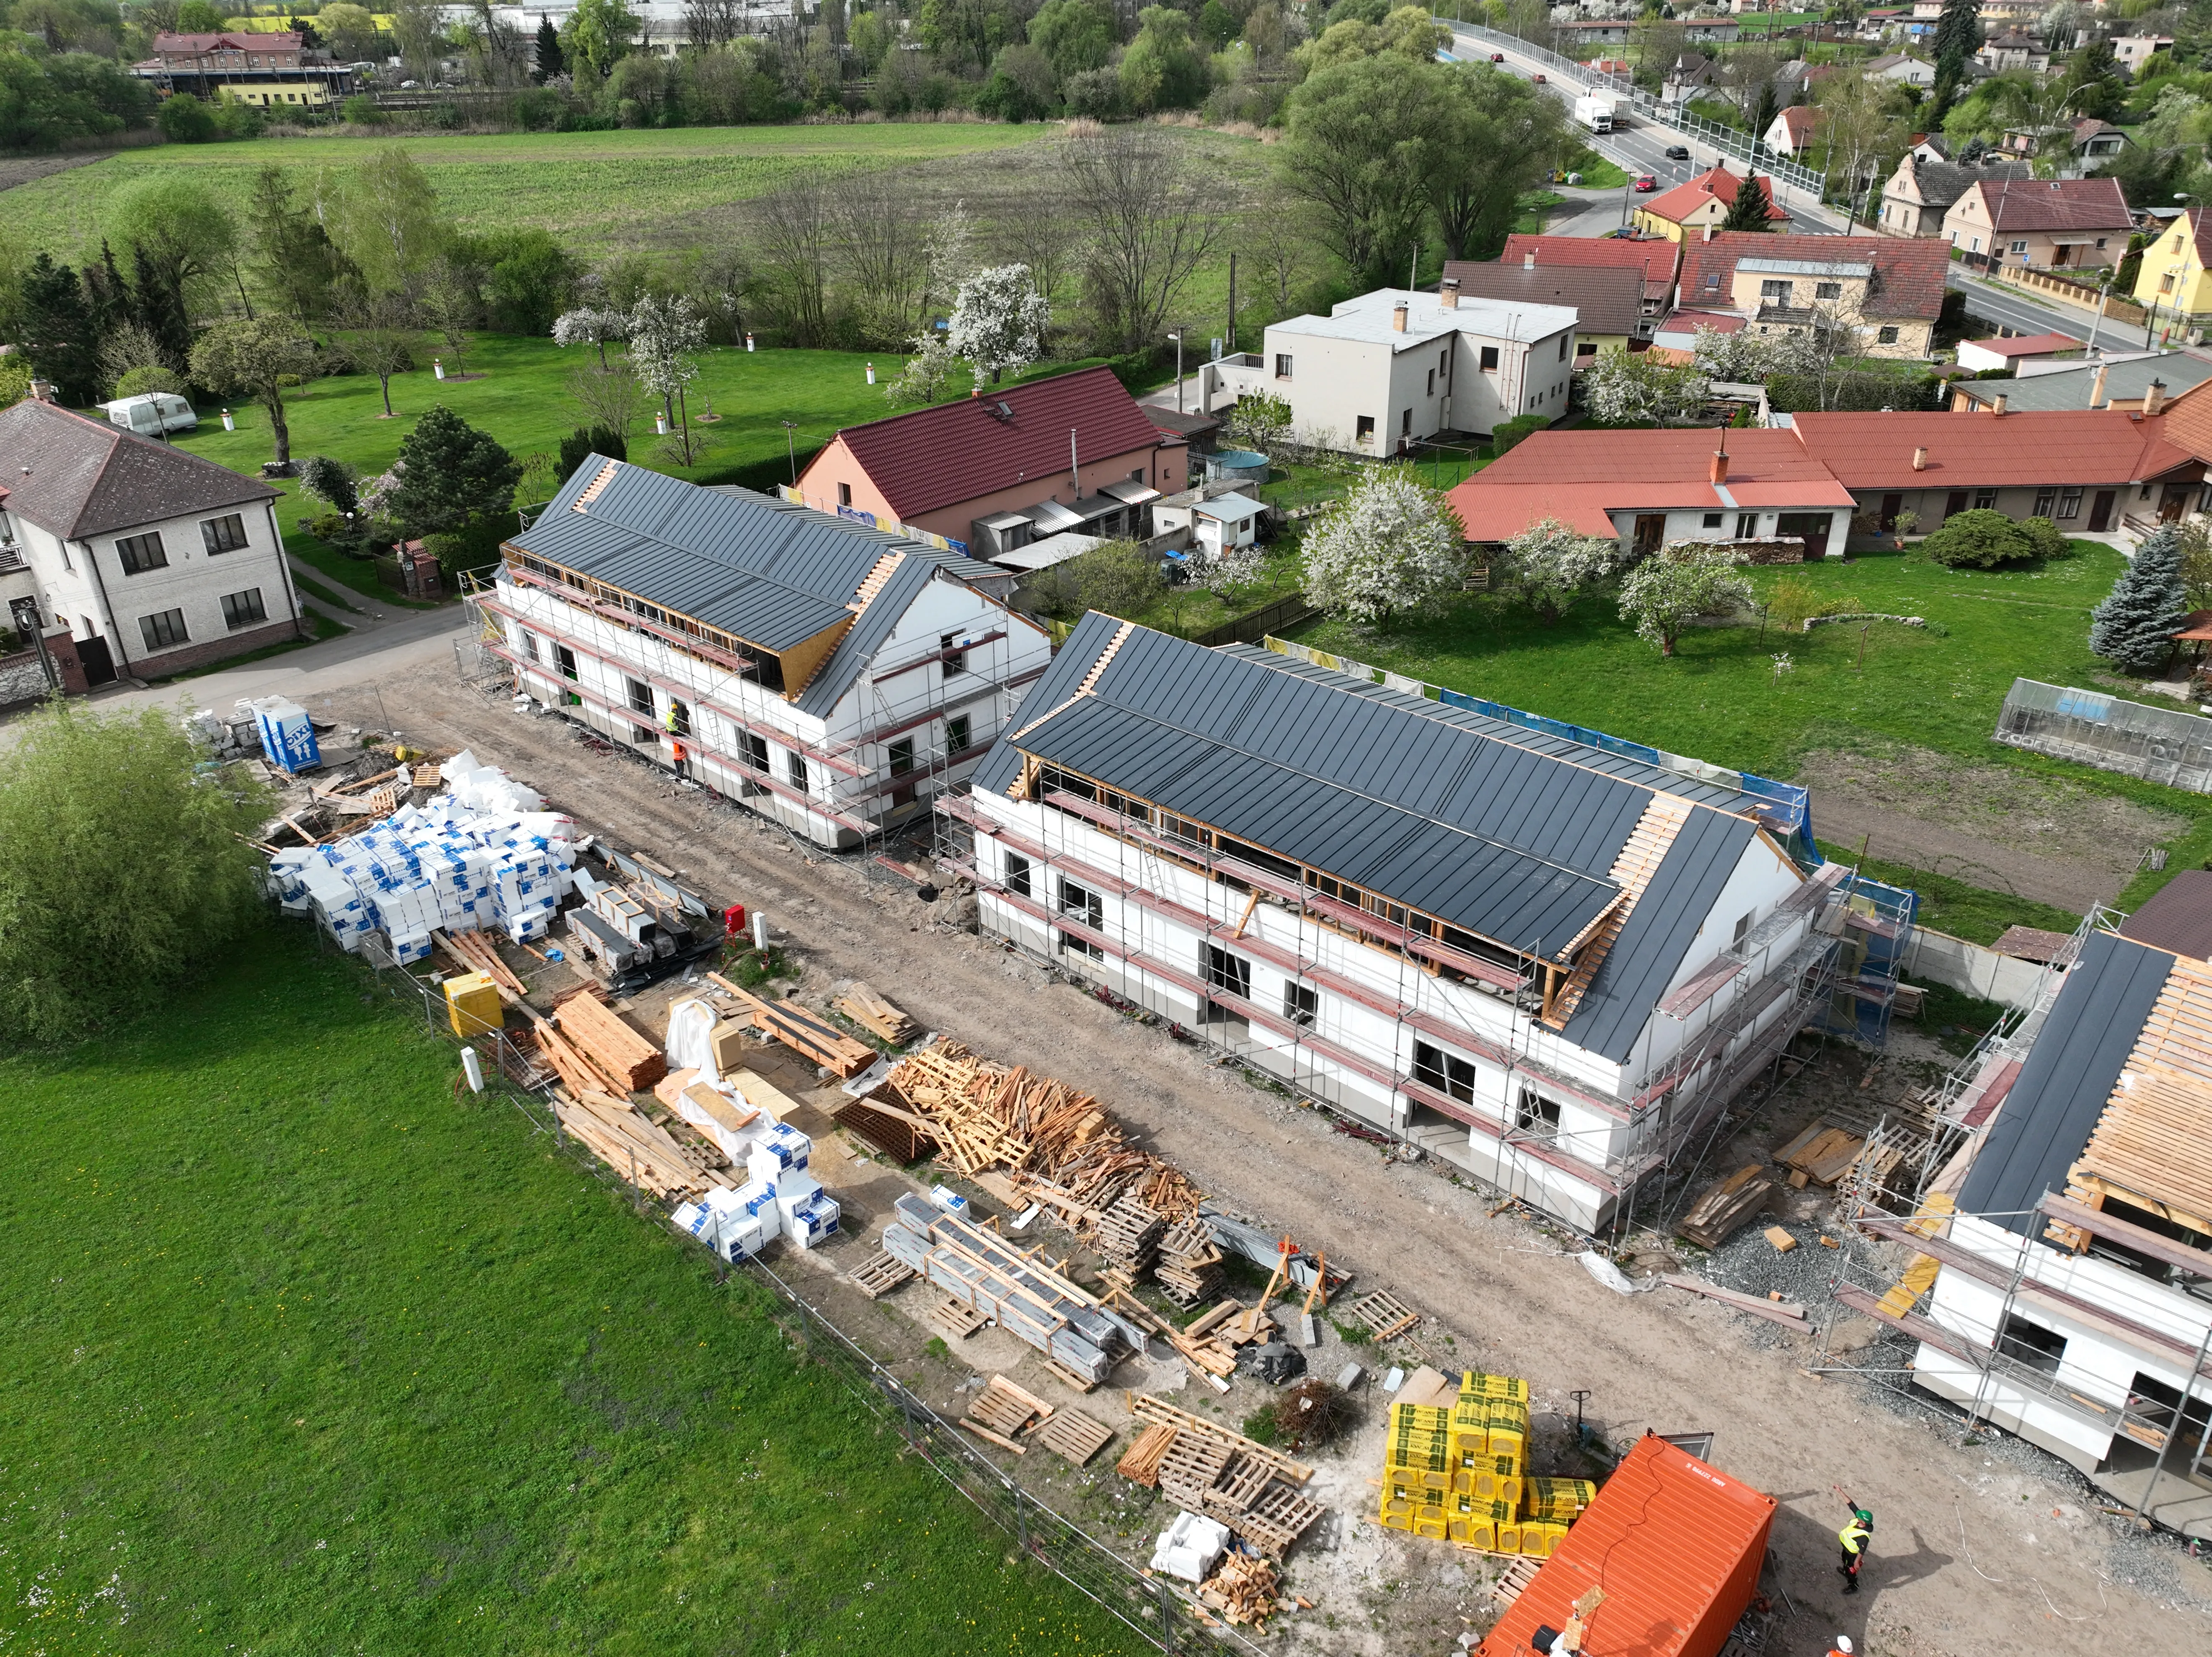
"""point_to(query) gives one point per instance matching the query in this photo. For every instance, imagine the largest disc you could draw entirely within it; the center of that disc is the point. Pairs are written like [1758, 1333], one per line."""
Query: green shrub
[588, 441]
[1980, 539]
[361, 109]
[1505, 436]
[474, 546]
[2049, 540]
[184, 119]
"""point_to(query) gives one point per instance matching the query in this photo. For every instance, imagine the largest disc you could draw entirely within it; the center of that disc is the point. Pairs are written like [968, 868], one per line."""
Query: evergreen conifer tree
[2134, 628]
[550, 59]
[1749, 210]
[58, 324]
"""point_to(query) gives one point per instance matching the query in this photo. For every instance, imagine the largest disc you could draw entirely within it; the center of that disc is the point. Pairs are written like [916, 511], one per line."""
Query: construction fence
[2094, 728]
[1150, 1605]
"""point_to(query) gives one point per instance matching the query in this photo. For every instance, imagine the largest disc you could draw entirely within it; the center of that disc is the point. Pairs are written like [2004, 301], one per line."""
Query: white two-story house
[1546, 964]
[1394, 368]
[830, 675]
[155, 559]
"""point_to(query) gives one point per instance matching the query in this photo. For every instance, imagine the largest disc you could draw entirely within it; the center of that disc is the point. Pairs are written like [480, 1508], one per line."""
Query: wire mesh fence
[1152, 1607]
[2093, 728]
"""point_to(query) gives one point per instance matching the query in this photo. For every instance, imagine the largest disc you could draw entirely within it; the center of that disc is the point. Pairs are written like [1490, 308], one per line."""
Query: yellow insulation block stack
[1559, 1499]
[472, 1004]
[1416, 1471]
[1462, 1472]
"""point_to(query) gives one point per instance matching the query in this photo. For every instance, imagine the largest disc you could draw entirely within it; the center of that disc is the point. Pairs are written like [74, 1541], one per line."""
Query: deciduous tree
[1548, 566]
[1690, 579]
[998, 322]
[259, 359]
[1389, 546]
[1152, 217]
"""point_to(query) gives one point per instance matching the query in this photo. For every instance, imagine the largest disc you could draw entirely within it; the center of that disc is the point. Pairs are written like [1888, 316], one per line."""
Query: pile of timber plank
[1820, 1155]
[1188, 1266]
[473, 952]
[877, 1015]
[575, 1067]
[1140, 1463]
[596, 1031]
[1059, 1144]
[1788, 1313]
[816, 1040]
[1207, 1354]
[633, 1146]
[1726, 1204]
[1204, 1467]
[1129, 1235]
[1244, 1590]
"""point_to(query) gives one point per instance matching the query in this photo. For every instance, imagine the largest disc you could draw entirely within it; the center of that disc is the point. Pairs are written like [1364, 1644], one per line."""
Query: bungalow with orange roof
[1691, 208]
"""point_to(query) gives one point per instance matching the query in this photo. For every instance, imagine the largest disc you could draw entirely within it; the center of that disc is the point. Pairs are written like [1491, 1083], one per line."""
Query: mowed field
[605, 191]
[300, 1352]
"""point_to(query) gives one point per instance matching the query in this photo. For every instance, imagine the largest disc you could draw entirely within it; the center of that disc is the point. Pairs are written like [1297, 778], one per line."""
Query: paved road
[2007, 307]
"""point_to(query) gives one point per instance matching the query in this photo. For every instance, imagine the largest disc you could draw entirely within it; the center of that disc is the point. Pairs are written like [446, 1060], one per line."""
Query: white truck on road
[1595, 110]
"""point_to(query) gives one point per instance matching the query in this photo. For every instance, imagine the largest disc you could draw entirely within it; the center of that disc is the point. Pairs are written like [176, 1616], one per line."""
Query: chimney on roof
[42, 391]
[1398, 317]
[1997, 403]
[1920, 458]
[1719, 471]
[975, 391]
[2097, 386]
[1528, 260]
[2154, 398]
[1448, 289]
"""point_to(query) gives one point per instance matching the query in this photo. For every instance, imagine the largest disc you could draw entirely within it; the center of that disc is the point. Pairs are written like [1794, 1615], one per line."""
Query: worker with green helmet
[1854, 1537]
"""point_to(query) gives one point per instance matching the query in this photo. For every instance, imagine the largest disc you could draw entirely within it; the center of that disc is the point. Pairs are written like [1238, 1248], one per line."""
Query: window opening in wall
[1742, 930]
[1282, 366]
[529, 644]
[1365, 428]
[243, 609]
[164, 630]
[1017, 874]
[794, 766]
[140, 553]
[1445, 1073]
[2045, 500]
[1537, 1116]
[1071, 945]
[1985, 500]
[226, 534]
[2069, 504]
[2031, 1343]
[1082, 904]
[639, 695]
[956, 734]
[1489, 357]
[956, 661]
[1225, 971]
[1300, 1002]
[565, 659]
[901, 756]
[1747, 525]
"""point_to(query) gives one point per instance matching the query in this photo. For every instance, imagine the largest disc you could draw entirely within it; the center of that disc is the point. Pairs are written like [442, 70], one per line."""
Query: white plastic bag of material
[1608, 1274]
[1189, 1547]
[690, 1044]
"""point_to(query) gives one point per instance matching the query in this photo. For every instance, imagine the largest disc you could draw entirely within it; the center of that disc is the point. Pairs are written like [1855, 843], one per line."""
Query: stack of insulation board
[444, 864]
[979, 1269]
[1460, 1473]
[780, 1199]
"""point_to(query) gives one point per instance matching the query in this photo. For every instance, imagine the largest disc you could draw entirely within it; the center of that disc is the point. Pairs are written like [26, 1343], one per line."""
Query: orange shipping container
[1676, 1546]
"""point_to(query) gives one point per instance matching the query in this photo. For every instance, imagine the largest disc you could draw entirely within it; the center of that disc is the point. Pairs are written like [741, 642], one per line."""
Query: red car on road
[1497, 57]
[1646, 184]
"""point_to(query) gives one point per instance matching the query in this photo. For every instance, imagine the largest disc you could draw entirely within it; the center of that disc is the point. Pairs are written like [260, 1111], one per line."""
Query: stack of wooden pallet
[635, 1147]
[1128, 1237]
[1820, 1155]
[1725, 1205]
[877, 1015]
[596, 1031]
[1188, 1268]
[816, 1040]
[1205, 1468]
[1062, 1147]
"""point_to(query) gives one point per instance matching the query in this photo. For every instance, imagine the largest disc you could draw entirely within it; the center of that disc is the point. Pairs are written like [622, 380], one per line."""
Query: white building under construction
[1545, 963]
[828, 674]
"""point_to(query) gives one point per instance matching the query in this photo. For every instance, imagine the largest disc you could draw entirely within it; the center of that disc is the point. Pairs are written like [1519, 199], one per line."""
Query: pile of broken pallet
[1245, 1590]
[812, 1037]
[1208, 1344]
[473, 952]
[1004, 1413]
[1205, 1468]
[1820, 1155]
[1061, 1146]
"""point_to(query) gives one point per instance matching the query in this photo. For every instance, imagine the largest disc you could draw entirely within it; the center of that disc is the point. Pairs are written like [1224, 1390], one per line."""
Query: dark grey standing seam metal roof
[2045, 1120]
[1446, 814]
[1658, 934]
[764, 570]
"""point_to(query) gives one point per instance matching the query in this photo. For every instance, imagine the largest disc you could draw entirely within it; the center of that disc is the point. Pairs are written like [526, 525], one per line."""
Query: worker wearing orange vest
[1854, 1538]
[1842, 1647]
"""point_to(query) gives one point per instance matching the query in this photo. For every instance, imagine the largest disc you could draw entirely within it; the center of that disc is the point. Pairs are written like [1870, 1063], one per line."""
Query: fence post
[1165, 1595]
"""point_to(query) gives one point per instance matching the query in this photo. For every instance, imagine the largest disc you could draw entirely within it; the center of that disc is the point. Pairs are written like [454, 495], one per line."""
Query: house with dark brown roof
[155, 559]
[2040, 223]
[1006, 466]
[1889, 291]
[1924, 189]
[1608, 299]
[1653, 257]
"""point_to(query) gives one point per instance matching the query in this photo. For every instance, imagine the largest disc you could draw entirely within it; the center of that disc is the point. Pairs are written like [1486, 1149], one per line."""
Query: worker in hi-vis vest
[1842, 1647]
[1854, 1538]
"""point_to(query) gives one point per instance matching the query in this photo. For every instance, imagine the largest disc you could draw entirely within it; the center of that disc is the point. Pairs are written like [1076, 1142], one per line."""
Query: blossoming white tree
[591, 325]
[1688, 579]
[1621, 390]
[1389, 545]
[665, 339]
[1548, 566]
[999, 321]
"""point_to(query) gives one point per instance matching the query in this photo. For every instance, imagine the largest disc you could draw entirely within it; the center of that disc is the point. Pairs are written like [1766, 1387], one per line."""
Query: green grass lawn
[1720, 698]
[1952, 906]
[300, 1352]
[600, 192]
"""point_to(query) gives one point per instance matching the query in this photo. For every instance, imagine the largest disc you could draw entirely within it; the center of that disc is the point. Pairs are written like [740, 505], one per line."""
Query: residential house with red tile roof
[2040, 223]
[1656, 257]
[1890, 291]
[1791, 132]
[1009, 465]
[2089, 471]
[1690, 210]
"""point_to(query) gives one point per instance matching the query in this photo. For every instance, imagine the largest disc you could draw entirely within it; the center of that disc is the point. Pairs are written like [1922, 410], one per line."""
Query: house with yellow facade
[1699, 206]
[2175, 277]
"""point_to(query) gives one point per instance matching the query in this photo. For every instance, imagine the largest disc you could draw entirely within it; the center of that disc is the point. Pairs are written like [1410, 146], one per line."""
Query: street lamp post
[1177, 337]
[791, 450]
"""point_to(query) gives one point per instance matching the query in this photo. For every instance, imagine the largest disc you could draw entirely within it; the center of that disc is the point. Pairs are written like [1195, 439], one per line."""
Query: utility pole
[1232, 304]
[2097, 321]
[1177, 337]
[791, 450]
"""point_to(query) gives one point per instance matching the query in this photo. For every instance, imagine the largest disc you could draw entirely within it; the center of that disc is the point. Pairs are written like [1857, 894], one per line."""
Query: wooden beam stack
[1188, 1268]
[596, 1031]
[877, 1015]
[1726, 1204]
[473, 952]
[813, 1039]
[634, 1147]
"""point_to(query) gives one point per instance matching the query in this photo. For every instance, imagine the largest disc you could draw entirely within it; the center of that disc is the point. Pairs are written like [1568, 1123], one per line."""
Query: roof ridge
[977, 396]
[113, 435]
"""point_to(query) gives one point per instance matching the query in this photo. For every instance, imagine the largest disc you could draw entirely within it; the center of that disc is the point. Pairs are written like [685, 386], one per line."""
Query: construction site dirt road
[1975, 1554]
